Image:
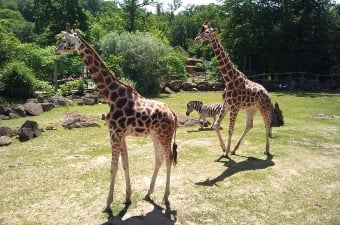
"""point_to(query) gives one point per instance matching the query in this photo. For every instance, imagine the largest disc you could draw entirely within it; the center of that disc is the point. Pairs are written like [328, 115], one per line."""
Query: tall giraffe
[239, 93]
[130, 114]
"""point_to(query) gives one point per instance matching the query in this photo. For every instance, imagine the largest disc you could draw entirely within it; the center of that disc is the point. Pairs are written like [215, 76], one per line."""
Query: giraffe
[129, 114]
[239, 93]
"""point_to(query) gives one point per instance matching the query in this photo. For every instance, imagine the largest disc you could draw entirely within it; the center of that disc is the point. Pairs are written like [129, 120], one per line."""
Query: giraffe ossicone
[129, 114]
[239, 93]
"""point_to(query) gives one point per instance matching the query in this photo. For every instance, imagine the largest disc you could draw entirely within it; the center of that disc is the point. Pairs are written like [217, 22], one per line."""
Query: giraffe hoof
[166, 201]
[107, 209]
[267, 153]
[147, 198]
[127, 202]
[233, 153]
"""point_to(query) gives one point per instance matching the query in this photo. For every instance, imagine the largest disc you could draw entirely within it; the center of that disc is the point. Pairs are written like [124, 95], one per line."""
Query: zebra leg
[212, 125]
[199, 121]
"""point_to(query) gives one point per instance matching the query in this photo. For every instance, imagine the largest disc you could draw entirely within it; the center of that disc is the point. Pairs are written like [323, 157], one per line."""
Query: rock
[5, 140]
[19, 109]
[6, 131]
[61, 101]
[5, 110]
[188, 86]
[203, 86]
[89, 101]
[4, 117]
[46, 106]
[76, 120]
[29, 130]
[33, 109]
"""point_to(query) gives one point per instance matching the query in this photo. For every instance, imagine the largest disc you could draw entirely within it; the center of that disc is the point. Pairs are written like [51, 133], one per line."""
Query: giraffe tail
[174, 145]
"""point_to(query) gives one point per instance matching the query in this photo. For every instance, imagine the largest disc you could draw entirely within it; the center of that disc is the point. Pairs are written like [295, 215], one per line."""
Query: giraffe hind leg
[158, 162]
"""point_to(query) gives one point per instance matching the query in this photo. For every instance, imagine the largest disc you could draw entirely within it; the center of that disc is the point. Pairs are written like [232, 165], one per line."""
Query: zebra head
[193, 105]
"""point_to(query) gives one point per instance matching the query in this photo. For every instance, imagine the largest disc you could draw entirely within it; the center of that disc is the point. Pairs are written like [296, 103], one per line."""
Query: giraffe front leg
[114, 168]
[217, 130]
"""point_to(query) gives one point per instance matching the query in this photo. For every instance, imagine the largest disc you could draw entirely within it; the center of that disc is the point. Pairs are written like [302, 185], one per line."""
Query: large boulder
[33, 109]
[188, 86]
[19, 109]
[5, 140]
[29, 130]
[6, 131]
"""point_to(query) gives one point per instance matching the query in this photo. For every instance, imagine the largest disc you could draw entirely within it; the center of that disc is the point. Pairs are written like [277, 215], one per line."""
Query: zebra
[204, 110]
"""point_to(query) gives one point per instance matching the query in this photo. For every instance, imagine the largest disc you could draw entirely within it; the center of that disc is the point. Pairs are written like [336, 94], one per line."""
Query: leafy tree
[9, 46]
[13, 22]
[50, 17]
[175, 61]
[143, 58]
[133, 13]
[40, 60]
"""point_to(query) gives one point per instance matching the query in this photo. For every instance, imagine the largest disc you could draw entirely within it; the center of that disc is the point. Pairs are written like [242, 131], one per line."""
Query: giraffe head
[205, 33]
[71, 41]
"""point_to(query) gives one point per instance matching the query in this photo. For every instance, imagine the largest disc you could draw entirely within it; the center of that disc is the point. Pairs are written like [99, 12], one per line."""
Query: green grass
[62, 177]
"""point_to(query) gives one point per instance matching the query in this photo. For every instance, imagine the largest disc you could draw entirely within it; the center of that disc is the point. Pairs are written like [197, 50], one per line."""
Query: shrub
[70, 86]
[18, 81]
[45, 87]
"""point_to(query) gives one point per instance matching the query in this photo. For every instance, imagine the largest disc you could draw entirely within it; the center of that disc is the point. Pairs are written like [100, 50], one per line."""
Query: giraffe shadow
[233, 167]
[157, 216]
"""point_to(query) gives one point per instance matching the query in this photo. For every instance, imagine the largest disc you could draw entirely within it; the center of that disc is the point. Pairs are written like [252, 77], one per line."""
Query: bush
[18, 81]
[77, 86]
[142, 59]
[45, 87]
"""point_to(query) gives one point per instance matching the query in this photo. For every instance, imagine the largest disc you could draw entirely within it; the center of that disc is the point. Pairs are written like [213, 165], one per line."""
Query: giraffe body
[239, 93]
[129, 114]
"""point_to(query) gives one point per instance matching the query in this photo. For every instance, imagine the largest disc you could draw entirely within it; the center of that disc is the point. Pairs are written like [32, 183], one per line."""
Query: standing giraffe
[130, 114]
[239, 93]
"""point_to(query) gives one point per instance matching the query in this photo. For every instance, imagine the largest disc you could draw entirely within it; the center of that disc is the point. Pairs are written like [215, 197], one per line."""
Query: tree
[9, 46]
[14, 22]
[50, 17]
[143, 58]
[132, 12]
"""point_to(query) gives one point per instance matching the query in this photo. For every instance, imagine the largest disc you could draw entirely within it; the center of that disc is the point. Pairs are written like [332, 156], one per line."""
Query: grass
[62, 177]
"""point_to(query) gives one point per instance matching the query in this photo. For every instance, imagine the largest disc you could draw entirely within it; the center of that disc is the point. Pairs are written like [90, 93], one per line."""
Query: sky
[184, 3]
[192, 2]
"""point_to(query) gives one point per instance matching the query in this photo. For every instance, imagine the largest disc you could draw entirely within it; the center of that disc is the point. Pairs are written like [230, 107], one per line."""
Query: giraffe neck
[228, 70]
[105, 80]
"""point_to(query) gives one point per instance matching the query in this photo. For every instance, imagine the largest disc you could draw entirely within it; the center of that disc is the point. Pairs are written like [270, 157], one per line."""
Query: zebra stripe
[204, 110]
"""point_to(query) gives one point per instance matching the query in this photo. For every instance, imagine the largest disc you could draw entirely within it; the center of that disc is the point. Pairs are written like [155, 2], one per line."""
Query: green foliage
[9, 46]
[115, 63]
[144, 58]
[50, 18]
[44, 87]
[18, 81]
[14, 22]
[40, 60]
[77, 86]
[175, 62]
[68, 64]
